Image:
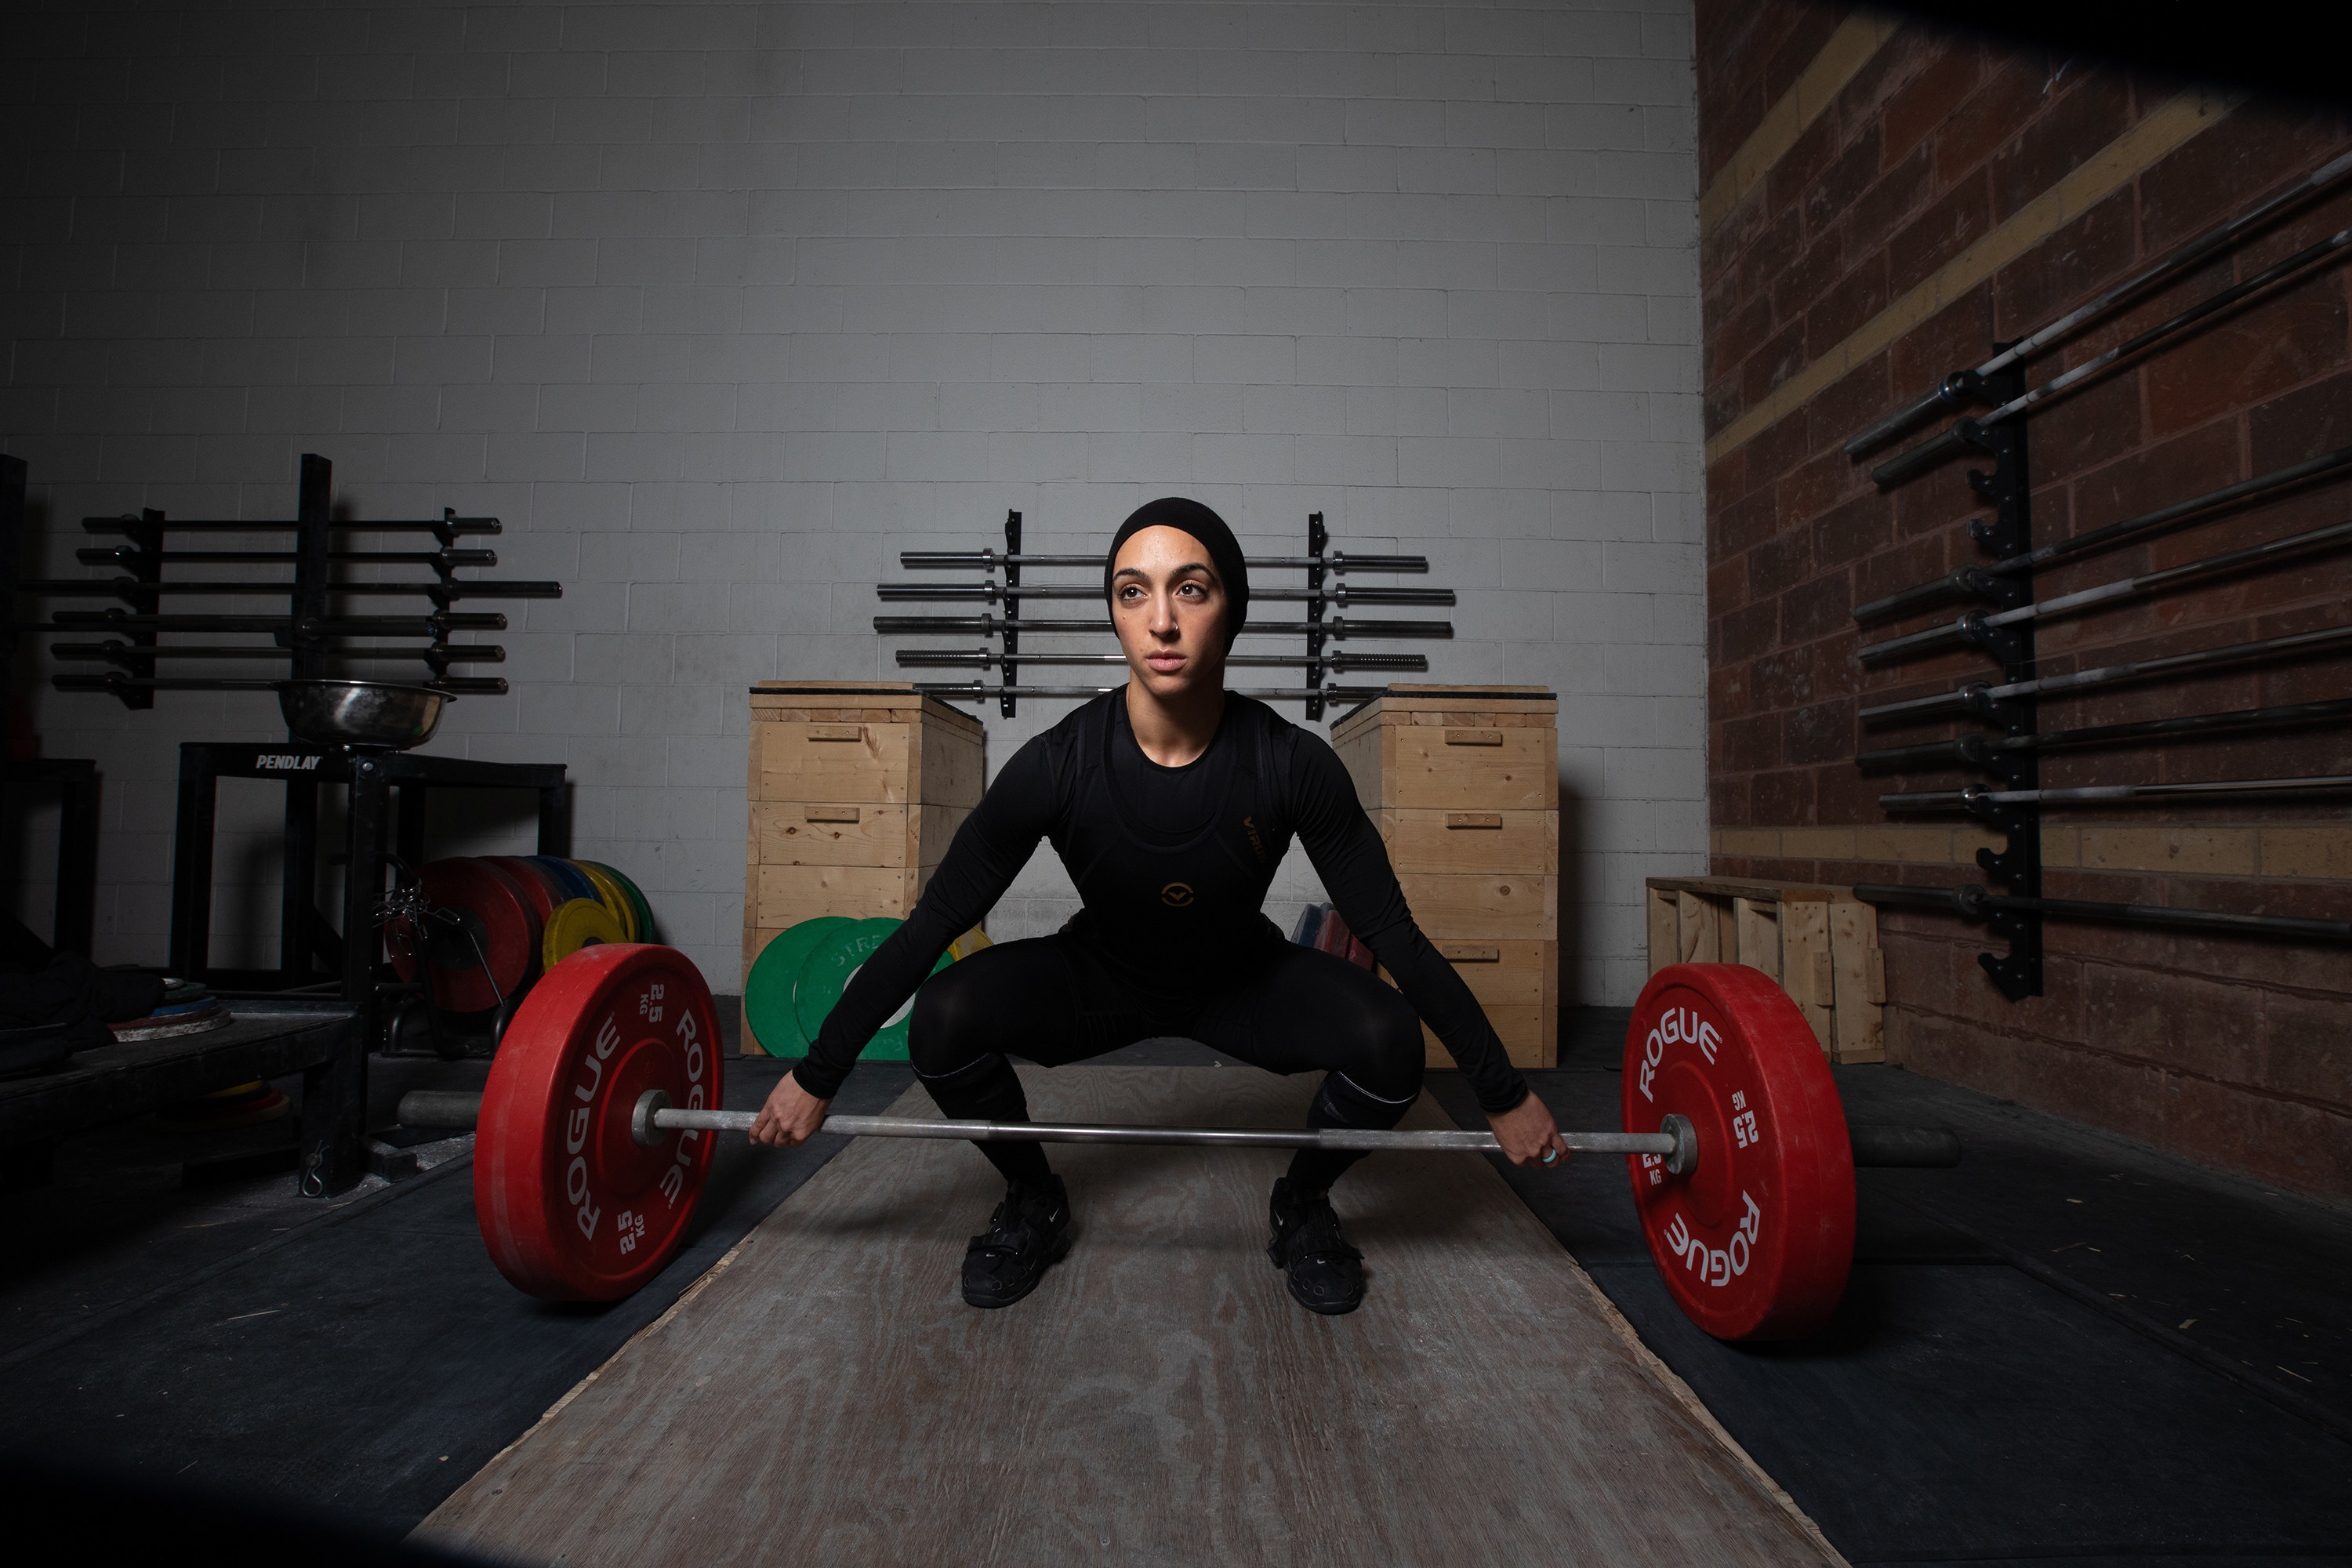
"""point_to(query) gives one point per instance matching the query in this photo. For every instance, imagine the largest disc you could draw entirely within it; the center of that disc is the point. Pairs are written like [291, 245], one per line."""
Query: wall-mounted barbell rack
[1321, 564]
[2014, 806]
[314, 638]
[310, 636]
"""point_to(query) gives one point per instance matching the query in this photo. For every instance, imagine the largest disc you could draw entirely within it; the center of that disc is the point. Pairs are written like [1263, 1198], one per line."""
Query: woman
[1171, 801]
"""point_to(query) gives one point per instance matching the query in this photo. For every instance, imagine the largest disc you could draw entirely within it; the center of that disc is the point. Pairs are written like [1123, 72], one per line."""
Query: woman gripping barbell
[1172, 801]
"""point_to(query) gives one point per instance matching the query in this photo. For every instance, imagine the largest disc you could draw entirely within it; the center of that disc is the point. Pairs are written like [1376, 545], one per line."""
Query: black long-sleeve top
[1172, 864]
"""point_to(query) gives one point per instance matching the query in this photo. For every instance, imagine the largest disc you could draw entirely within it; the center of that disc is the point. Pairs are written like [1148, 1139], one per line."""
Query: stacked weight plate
[801, 973]
[501, 920]
[187, 1008]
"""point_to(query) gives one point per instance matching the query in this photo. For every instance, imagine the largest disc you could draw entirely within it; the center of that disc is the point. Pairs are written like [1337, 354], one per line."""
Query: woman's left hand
[1528, 1136]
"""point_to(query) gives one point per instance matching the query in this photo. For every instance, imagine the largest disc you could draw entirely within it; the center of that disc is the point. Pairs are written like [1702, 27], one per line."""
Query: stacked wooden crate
[1464, 783]
[856, 787]
[1819, 942]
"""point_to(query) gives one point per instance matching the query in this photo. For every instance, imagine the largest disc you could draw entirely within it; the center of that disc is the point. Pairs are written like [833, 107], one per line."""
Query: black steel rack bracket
[2007, 534]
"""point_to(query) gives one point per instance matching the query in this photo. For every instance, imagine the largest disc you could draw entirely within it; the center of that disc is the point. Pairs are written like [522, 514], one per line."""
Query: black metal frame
[353, 955]
[1314, 627]
[2013, 756]
[309, 634]
[74, 917]
[74, 920]
[319, 1039]
[2009, 535]
[1009, 704]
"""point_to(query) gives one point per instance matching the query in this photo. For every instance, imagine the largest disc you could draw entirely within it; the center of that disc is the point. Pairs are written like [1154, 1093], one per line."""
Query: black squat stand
[315, 957]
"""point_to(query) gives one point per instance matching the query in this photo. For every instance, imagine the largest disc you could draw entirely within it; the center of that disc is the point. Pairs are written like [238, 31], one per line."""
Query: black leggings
[1050, 1000]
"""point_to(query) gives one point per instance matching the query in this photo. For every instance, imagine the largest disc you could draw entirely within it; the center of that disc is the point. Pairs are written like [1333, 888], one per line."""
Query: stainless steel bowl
[361, 712]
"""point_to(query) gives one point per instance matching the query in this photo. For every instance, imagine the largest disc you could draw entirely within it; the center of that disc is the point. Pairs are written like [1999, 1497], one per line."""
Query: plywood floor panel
[826, 1396]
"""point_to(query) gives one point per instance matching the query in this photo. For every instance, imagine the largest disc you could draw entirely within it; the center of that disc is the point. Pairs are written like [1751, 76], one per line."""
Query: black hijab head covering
[1224, 550]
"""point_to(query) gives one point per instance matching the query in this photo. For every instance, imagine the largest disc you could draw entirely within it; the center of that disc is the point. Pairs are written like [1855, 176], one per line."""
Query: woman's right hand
[791, 1117]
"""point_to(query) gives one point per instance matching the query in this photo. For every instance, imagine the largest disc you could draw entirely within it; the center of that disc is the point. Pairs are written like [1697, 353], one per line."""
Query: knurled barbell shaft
[661, 1119]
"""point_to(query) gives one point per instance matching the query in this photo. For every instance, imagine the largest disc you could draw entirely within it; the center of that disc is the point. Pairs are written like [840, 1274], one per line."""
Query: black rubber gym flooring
[2007, 1381]
[2071, 1350]
[365, 1359]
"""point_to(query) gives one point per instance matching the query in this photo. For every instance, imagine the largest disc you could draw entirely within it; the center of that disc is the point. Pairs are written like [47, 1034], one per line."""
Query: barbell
[653, 1117]
[594, 1137]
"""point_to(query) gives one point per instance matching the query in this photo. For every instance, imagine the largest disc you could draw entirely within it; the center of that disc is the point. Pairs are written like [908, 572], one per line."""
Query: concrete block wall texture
[1947, 194]
[720, 307]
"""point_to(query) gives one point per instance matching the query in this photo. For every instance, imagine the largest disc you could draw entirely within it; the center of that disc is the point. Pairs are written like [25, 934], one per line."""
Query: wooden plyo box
[1819, 942]
[1464, 783]
[856, 789]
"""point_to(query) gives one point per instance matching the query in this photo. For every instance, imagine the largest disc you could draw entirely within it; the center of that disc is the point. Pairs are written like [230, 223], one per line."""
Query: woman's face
[1169, 611]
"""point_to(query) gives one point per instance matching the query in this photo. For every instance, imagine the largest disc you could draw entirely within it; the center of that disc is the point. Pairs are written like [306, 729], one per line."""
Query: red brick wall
[2233, 1051]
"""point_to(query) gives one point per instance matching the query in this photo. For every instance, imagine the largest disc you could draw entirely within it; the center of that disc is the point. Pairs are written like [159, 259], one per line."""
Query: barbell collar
[652, 1116]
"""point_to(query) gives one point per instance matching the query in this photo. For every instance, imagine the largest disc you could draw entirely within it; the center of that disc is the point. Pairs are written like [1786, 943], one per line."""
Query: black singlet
[1172, 864]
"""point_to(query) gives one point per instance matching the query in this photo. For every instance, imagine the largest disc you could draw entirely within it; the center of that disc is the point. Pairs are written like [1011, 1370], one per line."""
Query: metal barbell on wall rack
[354, 625]
[1975, 795]
[96, 587]
[1978, 697]
[1929, 453]
[1987, 751]
[1338, 628]
[994, 593]
[110, 683]
[1977, 904]
[1963, 387]
[958, 659]
[1991, 580]
[986, 560]
[1263, 693]
[116, 652]
[1986, 629]
[125, 554]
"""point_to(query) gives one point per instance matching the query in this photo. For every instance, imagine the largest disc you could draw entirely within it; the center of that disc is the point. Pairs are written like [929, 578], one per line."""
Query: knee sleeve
[1343, 1102]
[948, 1031]
[1387, 1066]
[983, 1090]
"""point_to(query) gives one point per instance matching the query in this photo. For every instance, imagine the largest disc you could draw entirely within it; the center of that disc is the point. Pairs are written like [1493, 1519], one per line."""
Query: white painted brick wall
[720, 307]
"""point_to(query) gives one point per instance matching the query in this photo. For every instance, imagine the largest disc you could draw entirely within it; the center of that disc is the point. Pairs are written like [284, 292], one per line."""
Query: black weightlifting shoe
[1325, 1274]
[1028, 1233]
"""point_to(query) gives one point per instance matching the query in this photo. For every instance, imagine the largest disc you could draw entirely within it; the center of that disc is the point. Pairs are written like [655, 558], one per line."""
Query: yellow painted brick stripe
[2113, 166]
[1857, 38]
[2283, 853]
